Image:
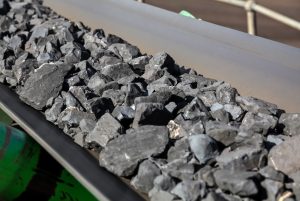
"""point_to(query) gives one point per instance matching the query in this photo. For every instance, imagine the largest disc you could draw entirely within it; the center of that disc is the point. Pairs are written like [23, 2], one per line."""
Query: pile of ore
[174, 133]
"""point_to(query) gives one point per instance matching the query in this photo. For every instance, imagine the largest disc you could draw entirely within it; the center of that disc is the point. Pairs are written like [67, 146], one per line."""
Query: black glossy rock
[204, 147]
[46, 82]
[291, 122]
[132, 148]
[189, 190]
[151, 114]
[106, 129]
[239, 183]
[100, 106]
[147, 172]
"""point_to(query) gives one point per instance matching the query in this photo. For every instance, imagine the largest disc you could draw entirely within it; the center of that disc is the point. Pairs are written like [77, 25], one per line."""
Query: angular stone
[106, 61]
[87, 125]
[133, 91]
[125, 51]
[291, 121]
[255, 105]
[273, 189]
[226, 94]
[260, 122]
[156, 195]
[161, 59]
[189, 190]
[124, 114]
[237, 182]
[70, 100]
[283, 158]
[213, 196]
[242, 158]
[138, 64]
[221, 132]
[206, 174]
[39, 32]
[179, 168]
[270, 173]
[147, 172]
[179, 150]
[164, 182]
[53, 113]
[117, 96]
[204, 147]
[150, 114]
[23, 70]
[208, 98]
[234, 110]
[132, 148]
[117, 71]
[71, 117]
[73, 81]
[196, 110]
[100, 106]
[44, 83]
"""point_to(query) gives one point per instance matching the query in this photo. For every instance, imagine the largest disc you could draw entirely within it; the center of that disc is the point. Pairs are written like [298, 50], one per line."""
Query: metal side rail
[102, 184]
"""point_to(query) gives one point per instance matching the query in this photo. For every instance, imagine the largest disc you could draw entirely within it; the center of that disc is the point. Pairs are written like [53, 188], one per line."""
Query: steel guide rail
[255, 66]
[102, 184]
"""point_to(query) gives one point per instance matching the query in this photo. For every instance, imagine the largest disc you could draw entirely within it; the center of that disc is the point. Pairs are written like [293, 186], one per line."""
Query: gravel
[174, 133]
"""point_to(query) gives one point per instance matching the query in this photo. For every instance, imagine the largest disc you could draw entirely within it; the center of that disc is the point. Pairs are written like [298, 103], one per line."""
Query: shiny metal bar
[255, 66]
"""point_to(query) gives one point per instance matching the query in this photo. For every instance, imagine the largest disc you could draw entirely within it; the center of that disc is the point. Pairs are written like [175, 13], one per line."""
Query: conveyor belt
[102, 184]
[255, 66]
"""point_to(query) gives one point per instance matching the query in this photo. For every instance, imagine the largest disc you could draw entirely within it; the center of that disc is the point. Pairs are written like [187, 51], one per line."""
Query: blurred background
[235, 17]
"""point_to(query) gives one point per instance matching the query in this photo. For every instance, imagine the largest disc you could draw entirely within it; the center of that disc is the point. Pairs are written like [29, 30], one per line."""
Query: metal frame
[252, 8]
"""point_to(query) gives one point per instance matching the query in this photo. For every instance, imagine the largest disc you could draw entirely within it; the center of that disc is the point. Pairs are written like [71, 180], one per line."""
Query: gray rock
[291, 121]
[255, 105]
[22, 70]
[225, 94]
[156, 195]
[259, 122]
[221, 132]
[147, 172]
[99, 106]
[106, 129]
[97, 82]
[283, 158]
[117, 71]
[196, 110]
[204, 147]
[117, 96]
[273, 189]
[234, 110]
[160, 60]
[179, 150]
[53, 113]
[125, 51]
[73, 81]
[220, 115]
[213, 196]
[242, 158]
[179, 168]
[44, 83]
[237, 182]
[124, 113]
[39, 32]
[164, 182]
[70, 100]
[87, 125]
[208, 98]
[138, 64]
[79, 139]
[133, 91]
[105, 61]
[206, 174]
[189, 190]
[150, 114]
[79, 92]
[270, 173]
[71, 117]
[133, 147]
